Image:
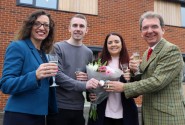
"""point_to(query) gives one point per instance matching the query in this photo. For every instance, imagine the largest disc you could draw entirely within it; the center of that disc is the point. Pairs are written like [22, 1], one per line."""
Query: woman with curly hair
[27, 74]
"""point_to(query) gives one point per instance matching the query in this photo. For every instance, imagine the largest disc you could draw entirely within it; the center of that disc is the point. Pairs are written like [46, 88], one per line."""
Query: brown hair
[123, 56]
[81, 16]
[148, 15]
[25, 30]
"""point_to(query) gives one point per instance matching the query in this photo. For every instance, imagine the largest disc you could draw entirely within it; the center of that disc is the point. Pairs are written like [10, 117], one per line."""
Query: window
[79, 6]
[26, 1]
[47, 4]
[172, 12]
[96, 51]
[183, 14]
[50, 4]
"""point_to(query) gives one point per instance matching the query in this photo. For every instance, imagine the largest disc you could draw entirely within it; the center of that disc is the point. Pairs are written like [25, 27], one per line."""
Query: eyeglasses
[39, 24]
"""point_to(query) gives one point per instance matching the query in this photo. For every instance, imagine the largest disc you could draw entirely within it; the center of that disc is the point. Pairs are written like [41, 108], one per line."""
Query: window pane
[47, 3]
[26, 1]
[183, 15]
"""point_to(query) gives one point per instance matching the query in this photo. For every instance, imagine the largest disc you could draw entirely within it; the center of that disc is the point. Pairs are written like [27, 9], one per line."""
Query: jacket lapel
[156, 50]
[34, 50]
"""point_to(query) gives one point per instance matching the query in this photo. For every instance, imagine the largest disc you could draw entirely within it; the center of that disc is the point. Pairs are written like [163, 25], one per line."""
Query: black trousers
[66, 117]
[14, 118]
[110, 121]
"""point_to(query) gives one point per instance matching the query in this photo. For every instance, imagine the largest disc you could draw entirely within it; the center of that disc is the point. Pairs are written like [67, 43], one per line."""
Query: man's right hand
[92, 84]
[134, 64]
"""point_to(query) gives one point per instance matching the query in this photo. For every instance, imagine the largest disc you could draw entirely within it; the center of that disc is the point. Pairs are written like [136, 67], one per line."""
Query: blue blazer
[27, 94]
[130, 112]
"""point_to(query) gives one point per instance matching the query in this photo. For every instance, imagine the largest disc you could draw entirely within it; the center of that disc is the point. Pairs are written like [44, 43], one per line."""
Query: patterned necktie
[149, 53]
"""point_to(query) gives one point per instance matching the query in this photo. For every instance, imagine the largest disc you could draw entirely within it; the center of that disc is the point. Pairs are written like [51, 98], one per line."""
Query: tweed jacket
[161, 86]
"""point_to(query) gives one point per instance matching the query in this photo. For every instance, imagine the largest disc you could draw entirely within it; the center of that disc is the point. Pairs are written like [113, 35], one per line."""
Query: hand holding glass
[136, 57]
[80, 75]
[124, 67]
[53, 58]
[78, 70]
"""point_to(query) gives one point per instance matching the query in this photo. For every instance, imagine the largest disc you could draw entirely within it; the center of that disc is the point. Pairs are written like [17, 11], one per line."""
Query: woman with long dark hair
[116, 109]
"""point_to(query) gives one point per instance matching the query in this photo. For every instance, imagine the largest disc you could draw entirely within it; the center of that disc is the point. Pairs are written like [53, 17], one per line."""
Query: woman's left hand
[126, 75]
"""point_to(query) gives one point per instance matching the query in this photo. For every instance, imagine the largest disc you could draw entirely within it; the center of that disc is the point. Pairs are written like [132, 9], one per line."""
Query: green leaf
[105, 63]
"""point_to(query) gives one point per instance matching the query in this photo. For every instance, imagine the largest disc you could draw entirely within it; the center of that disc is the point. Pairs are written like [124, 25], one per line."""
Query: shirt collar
[155, 44]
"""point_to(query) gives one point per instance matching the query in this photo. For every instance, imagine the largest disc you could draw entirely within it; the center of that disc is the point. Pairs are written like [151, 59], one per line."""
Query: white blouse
[114, 107]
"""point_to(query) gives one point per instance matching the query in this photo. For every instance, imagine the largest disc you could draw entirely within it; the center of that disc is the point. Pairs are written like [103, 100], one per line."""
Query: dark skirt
[15, 118]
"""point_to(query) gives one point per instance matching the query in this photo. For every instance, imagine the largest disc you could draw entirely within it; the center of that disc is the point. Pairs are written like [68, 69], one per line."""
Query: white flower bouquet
[103, 73]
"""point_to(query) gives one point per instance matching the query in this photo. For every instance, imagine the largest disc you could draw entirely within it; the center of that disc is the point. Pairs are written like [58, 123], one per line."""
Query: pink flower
[102, 69]
[108, 72]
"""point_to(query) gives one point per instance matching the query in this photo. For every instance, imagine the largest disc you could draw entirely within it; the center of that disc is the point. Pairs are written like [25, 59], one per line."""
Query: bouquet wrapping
[102, 73]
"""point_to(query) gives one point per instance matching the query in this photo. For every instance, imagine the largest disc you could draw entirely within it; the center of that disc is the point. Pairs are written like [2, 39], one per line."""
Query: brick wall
[113, 15]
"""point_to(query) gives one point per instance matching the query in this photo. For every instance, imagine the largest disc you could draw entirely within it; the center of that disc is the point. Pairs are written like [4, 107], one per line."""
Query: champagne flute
[124, 67]
[78, 70]
[136, 57]
[53, 58]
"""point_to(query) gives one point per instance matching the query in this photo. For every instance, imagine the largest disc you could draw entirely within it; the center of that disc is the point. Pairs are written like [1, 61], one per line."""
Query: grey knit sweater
[69, 93]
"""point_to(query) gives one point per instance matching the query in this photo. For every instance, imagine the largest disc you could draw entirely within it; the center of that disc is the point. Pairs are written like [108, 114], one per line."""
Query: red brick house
[103, 16]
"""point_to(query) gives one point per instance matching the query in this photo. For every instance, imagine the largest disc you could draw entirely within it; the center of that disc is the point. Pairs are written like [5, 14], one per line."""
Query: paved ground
[86, 110]
[1, 117]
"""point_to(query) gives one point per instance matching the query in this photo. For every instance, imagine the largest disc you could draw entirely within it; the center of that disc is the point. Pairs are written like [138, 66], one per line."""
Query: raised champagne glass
[53, 58]
[77, 72]
[124, 67]
[136, 57]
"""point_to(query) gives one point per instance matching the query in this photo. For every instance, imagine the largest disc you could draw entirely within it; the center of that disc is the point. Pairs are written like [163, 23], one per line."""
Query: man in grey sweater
[72, 54]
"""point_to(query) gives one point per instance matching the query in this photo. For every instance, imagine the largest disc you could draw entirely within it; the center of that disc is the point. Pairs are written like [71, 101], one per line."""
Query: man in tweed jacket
[161, 78]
